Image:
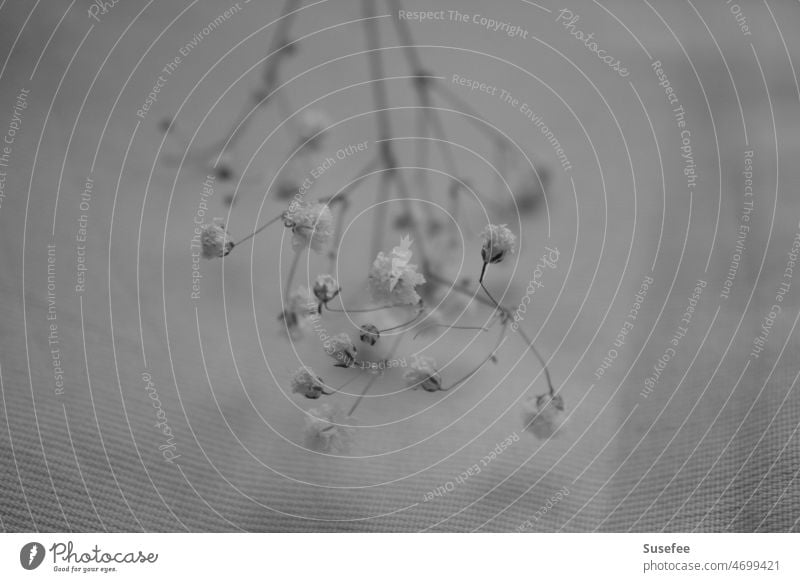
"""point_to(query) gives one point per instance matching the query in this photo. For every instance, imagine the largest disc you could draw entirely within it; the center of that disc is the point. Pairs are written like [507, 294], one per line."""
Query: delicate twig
[260, 228]
[500, 340]
[480, 282]
[366, 310]
[433, 277]
[448, 326]
[378, 225]
[407, 323]
[472, 116]
[374, 377]
[279, 50]
[339, 389]
[337, 233]
[540, 358]
[292, 270]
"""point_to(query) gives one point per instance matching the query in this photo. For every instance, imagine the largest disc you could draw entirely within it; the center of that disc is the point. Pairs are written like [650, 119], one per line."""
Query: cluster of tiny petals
[326, 430]
[305, 382]
[326, 288]
[215, 241]
[296, 311]
[423, 373]
[498, 241]
[311, 224]
[393, 279]
[342, 348]
[542, 415]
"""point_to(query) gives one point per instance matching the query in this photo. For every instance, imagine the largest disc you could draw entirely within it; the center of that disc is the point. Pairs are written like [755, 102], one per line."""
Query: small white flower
[305, 382]
[311, 224]
[542, 415]
[498, 241]
[423, 373]
[393, 279]
[311, 124]
[326, 288]
[326, 430]
[215, 241]
[299, 306]
[341, 348]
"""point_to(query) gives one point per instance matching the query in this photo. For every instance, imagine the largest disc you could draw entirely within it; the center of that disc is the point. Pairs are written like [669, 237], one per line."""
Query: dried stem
[374, 377]
[292, 271]
[500, 340]
[419, 313]
[260, 228]
[539, 357]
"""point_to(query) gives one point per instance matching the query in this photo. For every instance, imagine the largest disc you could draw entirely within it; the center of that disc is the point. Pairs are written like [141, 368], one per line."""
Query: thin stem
[403, 32]
[292, 271]
[409, 322]
[259, 229]
[500, 340]
[473, 116]
[463, 290]
[279, 51]
[378, 227]
[337, 233]
[480, 282]
[448, 326]
[367, 310]
[374, 378]
[541, 360]
[339, 389]
[419, 238]
[376, 69]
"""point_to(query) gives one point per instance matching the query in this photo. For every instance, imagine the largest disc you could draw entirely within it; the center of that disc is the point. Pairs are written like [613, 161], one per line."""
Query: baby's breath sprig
[281, 48]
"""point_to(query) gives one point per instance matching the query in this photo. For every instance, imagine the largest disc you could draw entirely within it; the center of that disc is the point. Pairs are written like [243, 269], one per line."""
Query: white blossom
[393, 279]
[215, 241]
[311, 224]
[341, 348]
[327, 431]
[326, 288]
[498, 241]
[423, 373]
[542, 415]
[299, 307]
[305, 382]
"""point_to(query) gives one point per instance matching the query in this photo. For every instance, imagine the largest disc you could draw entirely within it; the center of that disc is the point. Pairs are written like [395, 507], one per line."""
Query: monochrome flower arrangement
[398, 280]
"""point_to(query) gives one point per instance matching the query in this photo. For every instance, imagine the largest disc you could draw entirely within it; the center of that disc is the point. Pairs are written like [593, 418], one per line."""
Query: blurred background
[708, 445]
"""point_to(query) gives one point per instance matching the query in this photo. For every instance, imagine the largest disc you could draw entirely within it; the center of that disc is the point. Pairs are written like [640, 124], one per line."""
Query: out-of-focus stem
[260, 228]
[344, 203]
[373, 379]
[292, 271]
[539, 357]
[500, 339]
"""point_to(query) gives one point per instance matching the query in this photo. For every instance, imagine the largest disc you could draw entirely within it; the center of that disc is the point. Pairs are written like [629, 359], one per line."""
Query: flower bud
[215, 241]
[498, 241]
[326, 288]
[342, 349]
[370, 334]
[305, 382]
[423, 373]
